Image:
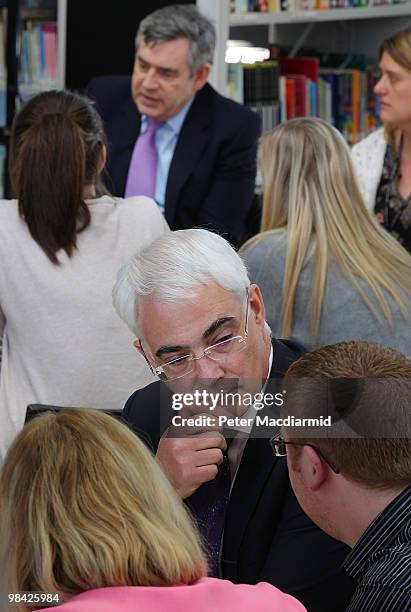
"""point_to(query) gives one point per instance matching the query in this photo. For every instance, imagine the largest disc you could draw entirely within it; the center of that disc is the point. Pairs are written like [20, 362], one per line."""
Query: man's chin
[150, 109]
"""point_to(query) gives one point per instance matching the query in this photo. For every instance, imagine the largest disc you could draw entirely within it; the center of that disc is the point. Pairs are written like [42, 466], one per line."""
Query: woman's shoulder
[8, 208]
[139, 210]
[110, 201]
[264, 242]
[10, 216]
[262, 596]
[208, 593]
[370, 142]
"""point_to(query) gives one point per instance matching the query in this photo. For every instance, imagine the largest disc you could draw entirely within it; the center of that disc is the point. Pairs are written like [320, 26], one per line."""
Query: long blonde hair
[84, 505]
[310, 190]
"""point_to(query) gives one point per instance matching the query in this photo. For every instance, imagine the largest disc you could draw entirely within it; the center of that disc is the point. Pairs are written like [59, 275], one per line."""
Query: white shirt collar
[174, 123]
[251, 412]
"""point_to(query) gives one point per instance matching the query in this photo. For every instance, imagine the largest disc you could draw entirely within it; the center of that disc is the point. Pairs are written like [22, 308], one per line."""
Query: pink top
[205, 595]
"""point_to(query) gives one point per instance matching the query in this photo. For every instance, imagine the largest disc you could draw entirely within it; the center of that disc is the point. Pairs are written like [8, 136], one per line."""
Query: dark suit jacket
[212, 173]
[267, 536]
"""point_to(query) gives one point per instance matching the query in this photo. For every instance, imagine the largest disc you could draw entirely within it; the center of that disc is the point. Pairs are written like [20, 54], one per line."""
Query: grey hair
[173, 267]
[181, 21]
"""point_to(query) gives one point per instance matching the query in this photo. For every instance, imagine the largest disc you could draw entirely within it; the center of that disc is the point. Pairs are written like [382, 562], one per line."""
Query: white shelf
[342, 14]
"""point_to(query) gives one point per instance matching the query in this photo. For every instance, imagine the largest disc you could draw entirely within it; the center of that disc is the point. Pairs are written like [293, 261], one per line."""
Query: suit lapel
[257, 463]
[256, 466]
[124, 131]
[191, 143]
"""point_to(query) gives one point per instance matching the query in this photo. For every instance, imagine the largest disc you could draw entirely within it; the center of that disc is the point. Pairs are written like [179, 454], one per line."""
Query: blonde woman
[86, 512]
[383, 159]
[327, 270]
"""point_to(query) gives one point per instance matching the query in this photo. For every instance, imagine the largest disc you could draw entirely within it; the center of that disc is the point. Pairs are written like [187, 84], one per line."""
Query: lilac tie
[141, 179]
[209, 505]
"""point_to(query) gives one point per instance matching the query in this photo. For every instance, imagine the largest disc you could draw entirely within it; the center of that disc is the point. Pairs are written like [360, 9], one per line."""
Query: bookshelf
[40, 45]
[317, 16]
[34, 60]
[358, 30]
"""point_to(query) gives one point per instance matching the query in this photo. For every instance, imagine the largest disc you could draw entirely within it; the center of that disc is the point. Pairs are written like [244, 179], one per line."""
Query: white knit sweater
[63, 343]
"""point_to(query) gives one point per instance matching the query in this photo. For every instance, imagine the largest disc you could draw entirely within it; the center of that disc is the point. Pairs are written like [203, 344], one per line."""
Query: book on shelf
[310, 68]
[235, 82]
[290, 98]
[261, 91]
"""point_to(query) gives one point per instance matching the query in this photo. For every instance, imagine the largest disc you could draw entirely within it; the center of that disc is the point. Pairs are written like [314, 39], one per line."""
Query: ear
[137, 345]
[200, 79]
[102, 158]
[256, 304]
[314, 470]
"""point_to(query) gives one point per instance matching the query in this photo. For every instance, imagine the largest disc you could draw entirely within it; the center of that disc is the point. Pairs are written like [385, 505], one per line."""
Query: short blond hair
[84, 505]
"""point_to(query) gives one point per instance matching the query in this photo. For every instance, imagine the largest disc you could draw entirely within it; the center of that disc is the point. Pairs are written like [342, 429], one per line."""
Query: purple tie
[209, 505]
[141, 179]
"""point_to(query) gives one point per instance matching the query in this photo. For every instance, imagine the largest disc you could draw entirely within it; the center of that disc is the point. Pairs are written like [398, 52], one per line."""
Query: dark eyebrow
[215, 325]
[164, 350]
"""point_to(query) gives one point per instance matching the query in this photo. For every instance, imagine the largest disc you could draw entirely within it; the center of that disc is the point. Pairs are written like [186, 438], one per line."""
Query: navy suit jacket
[267, 536]
[212, 172]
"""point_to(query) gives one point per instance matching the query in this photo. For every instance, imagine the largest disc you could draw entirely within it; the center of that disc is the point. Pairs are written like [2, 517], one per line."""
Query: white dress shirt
[236, 448]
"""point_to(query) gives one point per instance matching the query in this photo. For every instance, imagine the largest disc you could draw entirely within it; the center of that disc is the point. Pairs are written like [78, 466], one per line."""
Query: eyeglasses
[177, 368]
[279, 446]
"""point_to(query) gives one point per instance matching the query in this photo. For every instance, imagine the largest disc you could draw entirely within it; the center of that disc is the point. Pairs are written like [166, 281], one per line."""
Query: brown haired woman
[383, 159]
[61, 245]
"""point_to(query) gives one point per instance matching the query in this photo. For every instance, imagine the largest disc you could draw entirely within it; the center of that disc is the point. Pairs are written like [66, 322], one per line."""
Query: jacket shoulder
[285, 353]
[149, 395]
[142, 413]
[109, 92]
[227, 109]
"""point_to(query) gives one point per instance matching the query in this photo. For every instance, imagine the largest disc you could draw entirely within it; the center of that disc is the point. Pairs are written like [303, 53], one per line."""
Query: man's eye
[175, 358]
[168, 74]
[176, 365]
[223, 338]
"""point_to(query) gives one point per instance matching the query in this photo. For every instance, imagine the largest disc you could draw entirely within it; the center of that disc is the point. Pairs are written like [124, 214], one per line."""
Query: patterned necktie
[142, 173]
[209, 505]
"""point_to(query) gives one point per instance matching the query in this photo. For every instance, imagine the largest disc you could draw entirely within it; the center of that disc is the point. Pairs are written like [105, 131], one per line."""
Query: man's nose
[207, 368]
[150, 79]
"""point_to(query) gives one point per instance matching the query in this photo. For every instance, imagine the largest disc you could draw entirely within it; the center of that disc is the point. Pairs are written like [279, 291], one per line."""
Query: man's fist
[191, 460]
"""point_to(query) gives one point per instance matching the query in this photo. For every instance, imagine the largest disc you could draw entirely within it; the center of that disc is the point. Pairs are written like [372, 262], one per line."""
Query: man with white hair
[200, 323]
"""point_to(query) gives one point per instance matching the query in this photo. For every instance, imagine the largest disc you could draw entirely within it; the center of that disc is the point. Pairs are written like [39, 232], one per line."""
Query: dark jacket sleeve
[231, 190]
